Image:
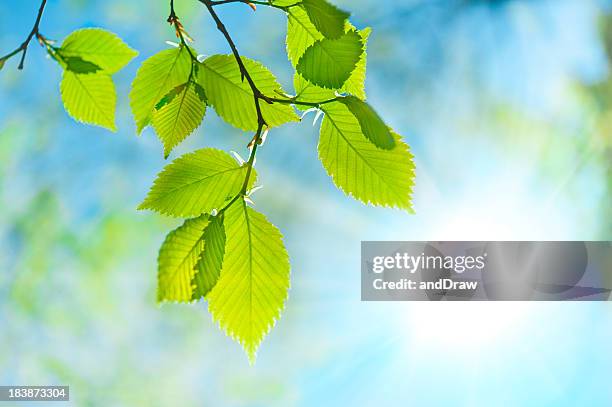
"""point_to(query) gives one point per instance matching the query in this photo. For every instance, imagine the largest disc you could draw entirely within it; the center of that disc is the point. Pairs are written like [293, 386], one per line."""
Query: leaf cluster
[226, 252]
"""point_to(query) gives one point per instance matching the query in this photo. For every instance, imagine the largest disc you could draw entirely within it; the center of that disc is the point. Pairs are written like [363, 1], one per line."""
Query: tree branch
[258, 96]
[23, 48]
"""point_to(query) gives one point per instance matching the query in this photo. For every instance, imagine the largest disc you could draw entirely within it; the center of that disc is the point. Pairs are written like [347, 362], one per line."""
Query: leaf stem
[23, 48]
[296, 101]
[258, 96]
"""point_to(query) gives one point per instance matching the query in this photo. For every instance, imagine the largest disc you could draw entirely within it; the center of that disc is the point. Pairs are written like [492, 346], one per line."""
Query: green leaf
[177, 259]
[307, 92]
[358, 167]
[99, 47]
[372, 126]
[157, 76]
[232, 97]
[89, 98]
[208, 268]
[177, 115]
[79, 65]
[301, 33]
[197, 183]
[169, 97]
[355, 85]
[328, 19]
[329, 63]
[2, 62]
[199, 90]
[254, 282]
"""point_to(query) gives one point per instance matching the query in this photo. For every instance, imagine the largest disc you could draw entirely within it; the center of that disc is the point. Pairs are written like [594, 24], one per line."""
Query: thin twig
[296, 101]
[258, 96]
[249, 2]
[23, 48]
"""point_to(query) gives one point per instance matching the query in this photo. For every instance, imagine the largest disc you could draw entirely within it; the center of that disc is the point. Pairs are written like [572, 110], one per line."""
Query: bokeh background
[508, 108]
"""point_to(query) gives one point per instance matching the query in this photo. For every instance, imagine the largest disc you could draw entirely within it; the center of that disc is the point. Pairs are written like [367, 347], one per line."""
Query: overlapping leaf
[79, 65]
[208, 267]
[89, 56]
[254, 282]
[355, 85]
[177, 260]
[232, 97]
[156, 77]
[96, 46]
[358, 167]
[178, 114]
[329, 63]
[372, 126]
[301, 33]
[89, 98]
[196, 183]
[328, 19]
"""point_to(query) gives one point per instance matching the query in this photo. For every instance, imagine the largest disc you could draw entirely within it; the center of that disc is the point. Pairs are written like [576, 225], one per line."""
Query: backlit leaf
[233, 98]
[208, 268]
[355, 84]
[329, 63]
[301, 33]
[177, 115]
[372, 126]
[177, 259]
[358, 167]
[327, 18]
[254, 282]
[157, 76]
[196, 183]
[89, 98]
[99, 47]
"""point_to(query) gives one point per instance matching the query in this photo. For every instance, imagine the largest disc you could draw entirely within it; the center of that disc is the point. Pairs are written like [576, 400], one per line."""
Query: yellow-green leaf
[178, 116]
[233, 98]
[177, 259]
[358, 167]
[197, 183]
[208, 268]
[301, 33]
[97, 46]
[89, 98]
[157, 76]
[254, 282]
[355, 84]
